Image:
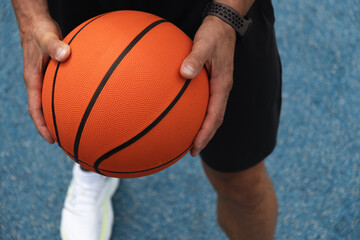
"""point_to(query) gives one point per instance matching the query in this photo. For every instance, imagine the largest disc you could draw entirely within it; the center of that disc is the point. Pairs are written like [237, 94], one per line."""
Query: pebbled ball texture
[141, 87]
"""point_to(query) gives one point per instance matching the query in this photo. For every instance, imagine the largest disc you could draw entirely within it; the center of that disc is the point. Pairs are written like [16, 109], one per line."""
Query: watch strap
[228, 15]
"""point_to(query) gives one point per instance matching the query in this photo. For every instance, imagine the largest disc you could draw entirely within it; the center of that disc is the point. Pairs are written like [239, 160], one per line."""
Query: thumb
[194, 62]
[55, 48]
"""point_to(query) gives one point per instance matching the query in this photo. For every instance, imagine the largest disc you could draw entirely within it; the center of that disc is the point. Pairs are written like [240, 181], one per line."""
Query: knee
[245, 190]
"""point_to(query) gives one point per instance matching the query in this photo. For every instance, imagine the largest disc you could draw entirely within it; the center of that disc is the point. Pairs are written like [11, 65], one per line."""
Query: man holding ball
[240, 127]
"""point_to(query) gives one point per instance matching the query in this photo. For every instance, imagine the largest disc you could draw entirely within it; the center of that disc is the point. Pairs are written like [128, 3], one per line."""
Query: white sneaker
[87, 213]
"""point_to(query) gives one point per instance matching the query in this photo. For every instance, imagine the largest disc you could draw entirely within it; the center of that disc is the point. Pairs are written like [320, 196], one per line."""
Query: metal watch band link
[228, 15]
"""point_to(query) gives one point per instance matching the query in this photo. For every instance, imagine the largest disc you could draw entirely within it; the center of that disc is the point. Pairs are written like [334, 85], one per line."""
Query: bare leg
[246, 203]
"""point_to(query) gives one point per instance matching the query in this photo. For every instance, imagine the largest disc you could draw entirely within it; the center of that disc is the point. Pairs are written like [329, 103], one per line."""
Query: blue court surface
[315, 167]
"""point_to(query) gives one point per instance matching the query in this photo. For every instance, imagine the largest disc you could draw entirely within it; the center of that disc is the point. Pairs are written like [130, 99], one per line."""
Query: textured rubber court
[315, 167]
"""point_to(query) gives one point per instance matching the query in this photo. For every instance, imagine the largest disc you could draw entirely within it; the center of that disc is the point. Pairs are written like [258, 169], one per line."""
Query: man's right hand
[40, 40]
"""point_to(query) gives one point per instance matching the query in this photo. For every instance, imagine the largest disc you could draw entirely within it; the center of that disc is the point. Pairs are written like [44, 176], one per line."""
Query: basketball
[119, 106]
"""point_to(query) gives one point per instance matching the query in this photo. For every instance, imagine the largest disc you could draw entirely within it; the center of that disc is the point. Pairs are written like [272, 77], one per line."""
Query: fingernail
[188, 70]
[60, 53]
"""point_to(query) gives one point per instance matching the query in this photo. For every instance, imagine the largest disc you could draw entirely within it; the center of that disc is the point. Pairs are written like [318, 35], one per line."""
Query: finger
[36, 113]
[56, 49]
[194, 62]
[213, 120]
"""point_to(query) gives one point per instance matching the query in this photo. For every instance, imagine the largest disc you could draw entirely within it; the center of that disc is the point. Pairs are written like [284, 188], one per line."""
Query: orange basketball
[119, 106]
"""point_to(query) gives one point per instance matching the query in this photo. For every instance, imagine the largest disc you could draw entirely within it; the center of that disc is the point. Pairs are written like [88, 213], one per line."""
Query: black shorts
[248, 133]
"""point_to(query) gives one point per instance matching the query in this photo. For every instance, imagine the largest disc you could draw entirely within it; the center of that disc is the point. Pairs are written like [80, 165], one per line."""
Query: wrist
[229, 16]
[30, 13]
[228, 29]
[242, 7]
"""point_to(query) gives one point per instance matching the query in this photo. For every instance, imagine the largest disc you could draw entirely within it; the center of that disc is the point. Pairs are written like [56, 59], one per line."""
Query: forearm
[241, 6]
[28, 12]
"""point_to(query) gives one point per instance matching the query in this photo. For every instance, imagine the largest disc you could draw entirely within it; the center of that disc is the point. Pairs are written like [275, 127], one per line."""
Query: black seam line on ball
[66, 151]
[104, 81]
[55, 75]
[78, 159]
[149, 169]
[145, 131]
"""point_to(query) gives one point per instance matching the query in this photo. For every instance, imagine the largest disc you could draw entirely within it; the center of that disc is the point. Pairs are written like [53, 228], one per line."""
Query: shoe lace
[84, 195]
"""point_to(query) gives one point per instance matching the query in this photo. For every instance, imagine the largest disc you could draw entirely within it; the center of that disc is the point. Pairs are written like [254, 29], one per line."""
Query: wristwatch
[228, 15]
